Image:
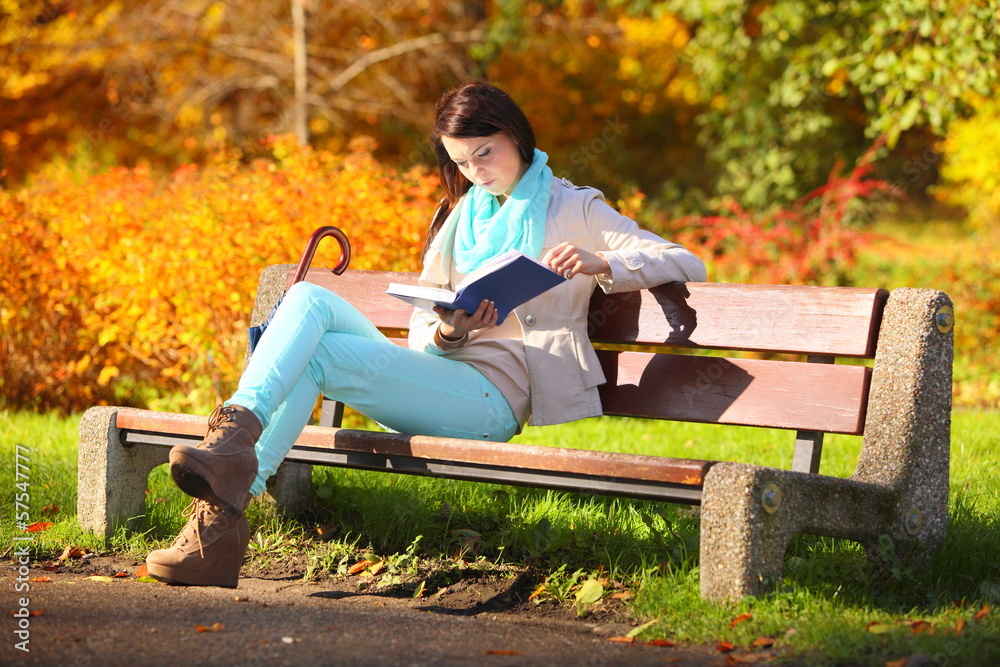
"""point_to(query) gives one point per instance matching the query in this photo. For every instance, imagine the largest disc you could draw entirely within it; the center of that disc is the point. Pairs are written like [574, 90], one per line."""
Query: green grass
[819, 614]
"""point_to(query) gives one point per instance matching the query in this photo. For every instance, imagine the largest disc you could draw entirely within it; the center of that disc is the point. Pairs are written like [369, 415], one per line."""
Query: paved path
[83, 622]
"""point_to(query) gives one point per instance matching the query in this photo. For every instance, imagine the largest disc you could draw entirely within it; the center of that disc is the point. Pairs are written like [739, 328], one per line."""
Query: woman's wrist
[449, 333]
[606, 271]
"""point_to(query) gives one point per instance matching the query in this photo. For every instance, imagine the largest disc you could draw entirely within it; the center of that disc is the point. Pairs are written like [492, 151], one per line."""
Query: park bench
[901, 405]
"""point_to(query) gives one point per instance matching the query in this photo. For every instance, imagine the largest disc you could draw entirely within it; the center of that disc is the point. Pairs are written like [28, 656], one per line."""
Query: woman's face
[493, 163]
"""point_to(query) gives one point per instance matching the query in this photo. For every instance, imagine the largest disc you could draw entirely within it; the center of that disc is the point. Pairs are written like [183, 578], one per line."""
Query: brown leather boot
[221, 469]
[208, 551]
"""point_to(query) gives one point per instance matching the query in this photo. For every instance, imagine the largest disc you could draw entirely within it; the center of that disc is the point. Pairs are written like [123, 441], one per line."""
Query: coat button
[529, 320]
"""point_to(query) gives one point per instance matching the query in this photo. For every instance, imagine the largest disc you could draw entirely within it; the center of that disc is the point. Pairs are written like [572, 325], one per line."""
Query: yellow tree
[604, 92]
[51, 78]
[171, 80]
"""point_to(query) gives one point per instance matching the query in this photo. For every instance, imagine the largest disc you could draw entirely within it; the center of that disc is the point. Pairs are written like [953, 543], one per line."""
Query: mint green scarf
[487, 229]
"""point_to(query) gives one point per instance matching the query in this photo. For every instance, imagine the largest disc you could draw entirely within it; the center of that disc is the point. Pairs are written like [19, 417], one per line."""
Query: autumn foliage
[130, 288]
[123, 287]
[814, 241]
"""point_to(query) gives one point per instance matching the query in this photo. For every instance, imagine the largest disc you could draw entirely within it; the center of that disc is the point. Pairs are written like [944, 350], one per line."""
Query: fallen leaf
[981, 614]
[33, 612]
[920, 627]
[420, 590]
[733, 659]
[215, 627]
[50, 509]
[143, 571]
[623, 640]
[635, 631]
[376, 567]
[358, 567]
[763, 642]
[148, 580]
[877, 628]
[51, 566]
[98, 577]
[724, 647]
[41, 579]
[589, 592]
[660, 642]
[623, 595]
[504, 652]
[739, 619]
[538, 591]
[120, 575]
[896, 663]
[959, 626]
[39, 526]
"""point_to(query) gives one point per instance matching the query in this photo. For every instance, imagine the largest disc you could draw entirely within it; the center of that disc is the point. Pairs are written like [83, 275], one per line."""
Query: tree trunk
[301, 111]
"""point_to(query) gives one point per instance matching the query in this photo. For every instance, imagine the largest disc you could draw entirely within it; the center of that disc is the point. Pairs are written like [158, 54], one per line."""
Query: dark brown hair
[474, 109]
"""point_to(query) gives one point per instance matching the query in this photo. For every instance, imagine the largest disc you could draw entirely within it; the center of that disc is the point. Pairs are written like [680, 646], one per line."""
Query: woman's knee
[306, 297]
[306, 291]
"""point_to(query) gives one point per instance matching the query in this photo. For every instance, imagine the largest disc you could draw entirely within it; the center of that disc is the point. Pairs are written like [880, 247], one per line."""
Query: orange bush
[124, 287]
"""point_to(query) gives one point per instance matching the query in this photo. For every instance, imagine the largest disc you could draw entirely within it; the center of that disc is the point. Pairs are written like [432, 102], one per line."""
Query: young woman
[462, 376]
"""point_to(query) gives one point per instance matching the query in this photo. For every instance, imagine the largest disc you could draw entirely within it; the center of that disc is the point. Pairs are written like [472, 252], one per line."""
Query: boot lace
[220, 416]
[197, 513]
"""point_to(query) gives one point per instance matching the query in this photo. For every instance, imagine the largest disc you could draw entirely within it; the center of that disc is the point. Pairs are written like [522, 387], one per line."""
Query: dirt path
[80, 620]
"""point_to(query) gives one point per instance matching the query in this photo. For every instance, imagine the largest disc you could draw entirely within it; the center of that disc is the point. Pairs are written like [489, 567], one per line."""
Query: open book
[508, 280]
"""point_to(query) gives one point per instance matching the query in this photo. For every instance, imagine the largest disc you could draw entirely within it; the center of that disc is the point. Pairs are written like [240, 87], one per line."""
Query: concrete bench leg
[749, 514]
[291, 487]
[112, 479]
[742, 545]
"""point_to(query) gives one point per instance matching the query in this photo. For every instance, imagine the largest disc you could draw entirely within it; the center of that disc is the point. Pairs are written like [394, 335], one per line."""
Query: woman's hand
[456, 323]
[568, 260]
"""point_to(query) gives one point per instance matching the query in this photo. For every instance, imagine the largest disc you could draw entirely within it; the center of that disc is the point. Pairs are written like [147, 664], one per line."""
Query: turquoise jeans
[318, 343]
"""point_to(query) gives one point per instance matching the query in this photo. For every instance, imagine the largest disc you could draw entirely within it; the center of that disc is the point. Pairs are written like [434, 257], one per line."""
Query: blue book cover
[508, 281]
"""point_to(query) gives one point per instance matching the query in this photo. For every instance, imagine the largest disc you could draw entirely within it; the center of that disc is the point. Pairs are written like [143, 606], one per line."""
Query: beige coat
[562, 365]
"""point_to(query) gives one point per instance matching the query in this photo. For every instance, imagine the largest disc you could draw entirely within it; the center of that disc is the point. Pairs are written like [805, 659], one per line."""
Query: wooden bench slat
[685, 472]
[365, 290]
[749, 392]
[162, 422]
[534, 457]
[836, 321]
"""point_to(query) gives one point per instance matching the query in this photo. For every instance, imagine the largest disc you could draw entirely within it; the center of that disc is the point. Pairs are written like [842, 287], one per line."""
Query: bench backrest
[819, 324]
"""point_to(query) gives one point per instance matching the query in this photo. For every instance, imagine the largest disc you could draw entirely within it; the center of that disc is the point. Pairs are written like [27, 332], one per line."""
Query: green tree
[789, 86]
